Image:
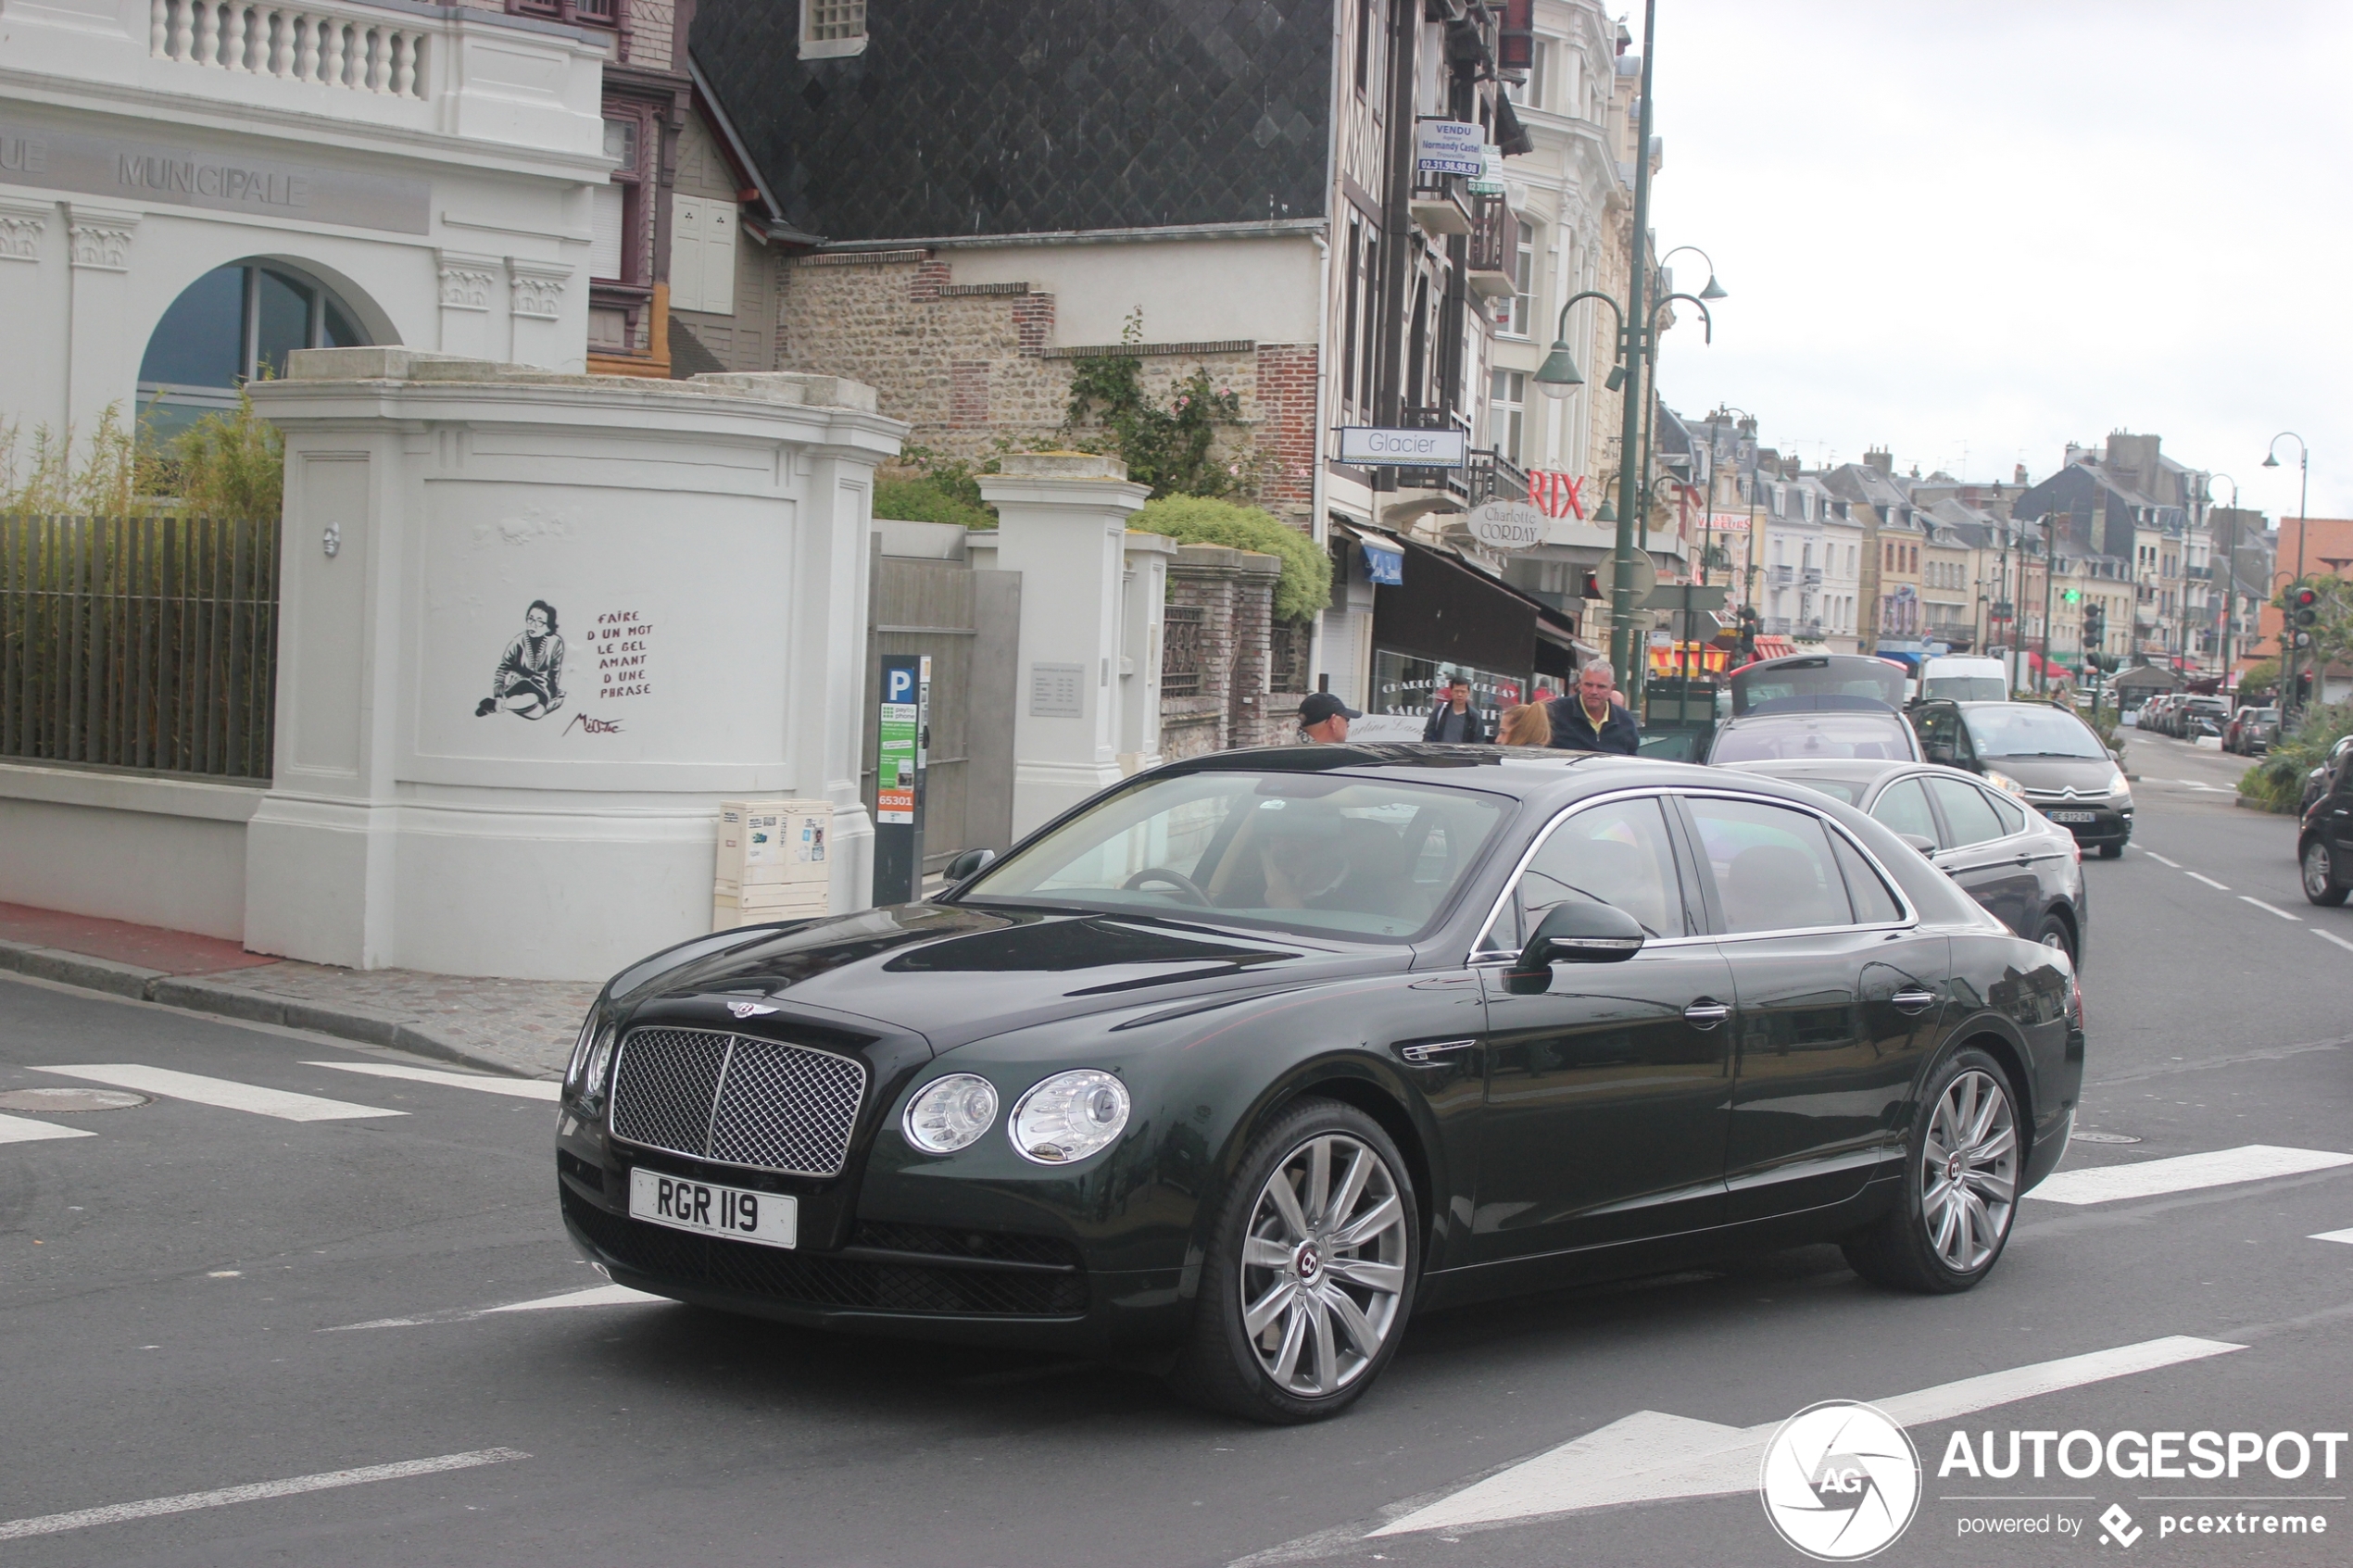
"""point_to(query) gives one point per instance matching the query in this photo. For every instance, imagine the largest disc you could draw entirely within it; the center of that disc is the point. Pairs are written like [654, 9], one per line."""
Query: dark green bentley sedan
[1236, 1066]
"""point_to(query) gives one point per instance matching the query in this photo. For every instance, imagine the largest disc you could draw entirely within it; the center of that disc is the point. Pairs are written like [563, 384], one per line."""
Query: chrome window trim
[1483, 956]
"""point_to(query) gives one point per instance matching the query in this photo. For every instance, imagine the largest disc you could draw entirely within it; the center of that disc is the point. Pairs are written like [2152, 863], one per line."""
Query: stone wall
[971, 366]
[1234, 590]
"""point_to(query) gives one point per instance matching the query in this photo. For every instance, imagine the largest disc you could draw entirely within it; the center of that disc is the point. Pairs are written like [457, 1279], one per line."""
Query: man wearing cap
[1323, 719]
[1588, 719]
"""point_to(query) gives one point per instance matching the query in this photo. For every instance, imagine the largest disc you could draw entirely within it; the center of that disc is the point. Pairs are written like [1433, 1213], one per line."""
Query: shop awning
[1771, 647]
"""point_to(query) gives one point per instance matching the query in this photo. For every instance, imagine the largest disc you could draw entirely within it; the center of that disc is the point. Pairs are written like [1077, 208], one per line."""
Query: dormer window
[832, 29]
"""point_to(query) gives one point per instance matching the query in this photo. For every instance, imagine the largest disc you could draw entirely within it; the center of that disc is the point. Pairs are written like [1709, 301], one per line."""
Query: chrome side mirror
[969, 864]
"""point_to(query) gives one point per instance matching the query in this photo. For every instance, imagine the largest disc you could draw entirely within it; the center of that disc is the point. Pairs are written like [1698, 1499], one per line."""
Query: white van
[1964, 679]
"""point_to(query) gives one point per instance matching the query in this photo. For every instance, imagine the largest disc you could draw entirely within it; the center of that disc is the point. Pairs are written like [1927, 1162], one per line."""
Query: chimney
[2018, 475]
[1882, 460]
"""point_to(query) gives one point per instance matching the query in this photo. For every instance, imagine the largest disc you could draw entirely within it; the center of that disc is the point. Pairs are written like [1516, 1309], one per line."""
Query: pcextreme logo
[1841, 1481]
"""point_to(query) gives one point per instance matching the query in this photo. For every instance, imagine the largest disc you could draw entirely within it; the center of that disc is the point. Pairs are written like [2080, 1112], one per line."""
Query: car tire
[2113, 851]
[2322, 884]
[1947, 1229]
[2055, 932]
[1273, 1260]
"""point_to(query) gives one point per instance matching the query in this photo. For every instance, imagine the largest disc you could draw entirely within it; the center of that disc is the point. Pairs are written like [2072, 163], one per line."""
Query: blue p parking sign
[898, 683]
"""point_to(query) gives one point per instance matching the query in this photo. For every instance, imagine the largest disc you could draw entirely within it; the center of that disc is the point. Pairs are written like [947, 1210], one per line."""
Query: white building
[191, 189]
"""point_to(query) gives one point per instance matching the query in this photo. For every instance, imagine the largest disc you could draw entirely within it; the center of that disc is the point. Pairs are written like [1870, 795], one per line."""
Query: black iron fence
[1184, 650]
[1287, 655]
[139, 642]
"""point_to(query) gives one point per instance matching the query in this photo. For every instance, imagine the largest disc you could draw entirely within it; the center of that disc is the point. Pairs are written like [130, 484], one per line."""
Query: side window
[1904, 808]
[2013, 819]
[1966, 811]
[1618, 853]
[1773, 865]
[1874, 903]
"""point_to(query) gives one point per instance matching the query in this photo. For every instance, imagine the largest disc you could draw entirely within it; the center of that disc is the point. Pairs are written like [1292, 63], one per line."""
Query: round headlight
[949, 1114]
[1069, 1116]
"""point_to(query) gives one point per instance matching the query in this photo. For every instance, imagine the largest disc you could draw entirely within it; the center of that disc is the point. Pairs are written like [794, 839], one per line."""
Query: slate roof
[1013, 117]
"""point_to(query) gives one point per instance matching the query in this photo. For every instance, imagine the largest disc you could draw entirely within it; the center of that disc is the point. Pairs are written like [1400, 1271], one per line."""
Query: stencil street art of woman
[529, 680]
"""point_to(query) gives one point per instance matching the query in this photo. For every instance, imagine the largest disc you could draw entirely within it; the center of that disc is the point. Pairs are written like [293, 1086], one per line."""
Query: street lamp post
[2288, 650]
[2229, 574]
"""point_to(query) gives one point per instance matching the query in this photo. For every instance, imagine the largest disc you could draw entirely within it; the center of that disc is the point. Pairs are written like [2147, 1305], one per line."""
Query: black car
[2045, 756]
[1232, 1068]
[2325, 838]
[2027, 871]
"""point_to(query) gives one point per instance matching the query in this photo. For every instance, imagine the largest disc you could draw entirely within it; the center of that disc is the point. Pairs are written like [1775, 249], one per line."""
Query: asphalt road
[200, 1297]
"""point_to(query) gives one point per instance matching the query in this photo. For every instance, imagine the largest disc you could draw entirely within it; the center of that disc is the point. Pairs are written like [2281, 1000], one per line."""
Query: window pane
[1967, 811]
[1874, 904]
[341, 333]
[285, 321]
[2013, 817]
[621, 145]
[1904, 808]
[1773, 865]
[200, 341]
[1616, 854]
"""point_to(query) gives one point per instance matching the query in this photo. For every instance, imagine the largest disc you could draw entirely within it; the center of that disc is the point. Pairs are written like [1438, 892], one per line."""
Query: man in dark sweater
[1587, 720]
[1454, 719]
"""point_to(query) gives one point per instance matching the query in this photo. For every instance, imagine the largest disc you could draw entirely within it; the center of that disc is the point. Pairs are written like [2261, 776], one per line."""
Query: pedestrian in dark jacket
[1454, 719]
[1587, 720]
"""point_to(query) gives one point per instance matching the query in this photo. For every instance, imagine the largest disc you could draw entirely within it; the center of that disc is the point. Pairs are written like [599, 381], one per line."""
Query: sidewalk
[518, 1026]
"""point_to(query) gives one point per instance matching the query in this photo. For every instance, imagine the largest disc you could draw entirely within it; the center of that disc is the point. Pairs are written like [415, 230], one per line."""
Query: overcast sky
[1974, 232]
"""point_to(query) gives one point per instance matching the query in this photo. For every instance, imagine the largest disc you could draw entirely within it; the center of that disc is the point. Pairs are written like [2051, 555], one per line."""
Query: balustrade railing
[331, 49]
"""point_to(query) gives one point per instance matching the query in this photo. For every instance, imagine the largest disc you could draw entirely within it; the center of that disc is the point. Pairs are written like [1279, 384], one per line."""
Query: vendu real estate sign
[1448, 146]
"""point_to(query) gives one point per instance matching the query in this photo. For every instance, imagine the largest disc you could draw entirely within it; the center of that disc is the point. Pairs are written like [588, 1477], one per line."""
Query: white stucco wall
[168, 852]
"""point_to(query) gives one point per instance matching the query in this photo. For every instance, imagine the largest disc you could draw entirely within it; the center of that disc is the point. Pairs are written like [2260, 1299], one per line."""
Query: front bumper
[2109, 823]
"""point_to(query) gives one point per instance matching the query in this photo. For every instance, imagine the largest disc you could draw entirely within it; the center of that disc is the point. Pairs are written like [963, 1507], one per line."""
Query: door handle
[1705, 1014]
[1419, 1054]
[1912, 1002]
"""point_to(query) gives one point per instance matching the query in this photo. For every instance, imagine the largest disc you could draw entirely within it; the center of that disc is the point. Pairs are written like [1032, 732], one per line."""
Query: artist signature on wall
[593, 726]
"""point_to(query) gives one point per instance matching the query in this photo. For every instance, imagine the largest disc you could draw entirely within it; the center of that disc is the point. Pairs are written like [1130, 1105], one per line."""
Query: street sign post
[899, 779]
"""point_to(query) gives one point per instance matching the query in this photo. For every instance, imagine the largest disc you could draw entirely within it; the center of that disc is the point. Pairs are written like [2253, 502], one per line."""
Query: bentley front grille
[762, 1104]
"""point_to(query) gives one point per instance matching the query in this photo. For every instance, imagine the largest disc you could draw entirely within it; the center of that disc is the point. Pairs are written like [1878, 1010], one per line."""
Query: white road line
[2185, 1173]
[225, 1093]
[187, 1502]
[2161, 859]
[524, 1089]
[2330, 936]
[1650, 1456]
[2346, 1237]
[2209, 882]
[24, 1129]
[2270, 908]
[597, 1295]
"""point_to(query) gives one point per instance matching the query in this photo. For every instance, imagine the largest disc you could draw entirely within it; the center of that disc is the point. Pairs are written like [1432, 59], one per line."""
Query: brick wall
[969, 365]
[1235, 592]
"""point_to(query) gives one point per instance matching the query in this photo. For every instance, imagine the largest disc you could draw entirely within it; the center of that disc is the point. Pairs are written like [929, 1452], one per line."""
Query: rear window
[1803, 737]
[1969, 688]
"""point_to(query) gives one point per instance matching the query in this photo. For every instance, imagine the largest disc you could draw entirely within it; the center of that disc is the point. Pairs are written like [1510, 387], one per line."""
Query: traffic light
[2303, 686]
[2094, 624]
[1591, 586]
[2306, 603]
[2071, 596]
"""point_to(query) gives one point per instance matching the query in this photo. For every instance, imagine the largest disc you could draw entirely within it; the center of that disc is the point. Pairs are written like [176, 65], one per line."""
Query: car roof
[1522, 772]
[1855, 770]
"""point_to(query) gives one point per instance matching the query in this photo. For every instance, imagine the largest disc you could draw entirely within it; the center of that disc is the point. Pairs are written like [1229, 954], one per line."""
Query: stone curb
[200, 994]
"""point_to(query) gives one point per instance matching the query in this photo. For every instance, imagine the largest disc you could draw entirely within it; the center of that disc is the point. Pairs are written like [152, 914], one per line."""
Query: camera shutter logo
[1841, 1481]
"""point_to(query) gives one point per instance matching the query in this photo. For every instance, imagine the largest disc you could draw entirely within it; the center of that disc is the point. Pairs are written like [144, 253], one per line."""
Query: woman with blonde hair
[1529, 724]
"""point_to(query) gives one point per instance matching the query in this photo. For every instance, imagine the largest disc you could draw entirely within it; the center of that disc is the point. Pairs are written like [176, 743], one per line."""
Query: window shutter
[604, 233]
[719, 258]
[686, 252]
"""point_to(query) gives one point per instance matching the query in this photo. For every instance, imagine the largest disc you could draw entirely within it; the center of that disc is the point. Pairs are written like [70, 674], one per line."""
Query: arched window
[234, 323]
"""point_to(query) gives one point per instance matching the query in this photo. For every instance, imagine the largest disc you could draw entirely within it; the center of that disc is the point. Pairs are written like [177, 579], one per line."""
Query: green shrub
[1305, 585]
[924, 499]
[2278, 780]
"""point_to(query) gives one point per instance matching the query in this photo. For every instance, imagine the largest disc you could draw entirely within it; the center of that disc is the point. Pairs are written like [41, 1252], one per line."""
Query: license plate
[2074, 816]
[769, 1219]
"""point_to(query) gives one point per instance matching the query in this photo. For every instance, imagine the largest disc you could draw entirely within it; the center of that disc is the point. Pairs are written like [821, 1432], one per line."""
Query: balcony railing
[1440, 204]
[362, 53]
[1779, 576]
[1494, 246]
[1492, 477]
[1813, 577]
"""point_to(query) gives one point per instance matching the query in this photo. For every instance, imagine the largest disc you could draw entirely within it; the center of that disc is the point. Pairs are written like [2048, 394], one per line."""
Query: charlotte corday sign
[1507, 527]
[101, 165]
[1447, 146]
[1404, 448]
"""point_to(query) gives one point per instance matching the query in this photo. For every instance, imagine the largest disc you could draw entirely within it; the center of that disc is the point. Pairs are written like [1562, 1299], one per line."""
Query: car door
[1987, 855]
[1944, 737]
[1608, 1084]
[1838, 991]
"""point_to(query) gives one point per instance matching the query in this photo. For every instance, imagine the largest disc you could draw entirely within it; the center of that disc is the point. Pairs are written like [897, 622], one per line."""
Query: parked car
[1815, 707]
[2321, 779]
[1241, 1062]
[2252, 731]
[2325, 838]
[2026, 871]
[2200, 716]
[2043, 756]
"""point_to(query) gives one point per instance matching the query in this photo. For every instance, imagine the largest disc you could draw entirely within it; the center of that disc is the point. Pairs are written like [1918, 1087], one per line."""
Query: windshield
[1301, 852]
[1970, 688]
[2017, 730]
[1803, 737]
[1818, 675]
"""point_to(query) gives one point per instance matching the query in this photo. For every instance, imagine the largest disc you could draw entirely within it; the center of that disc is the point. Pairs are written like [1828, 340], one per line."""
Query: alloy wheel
[1969, 1171]
[2316, 880]
[1323, 1265]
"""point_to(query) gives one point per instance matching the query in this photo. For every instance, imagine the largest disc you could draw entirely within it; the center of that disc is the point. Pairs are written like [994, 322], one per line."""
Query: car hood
[2087, 776]
[954, 974]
